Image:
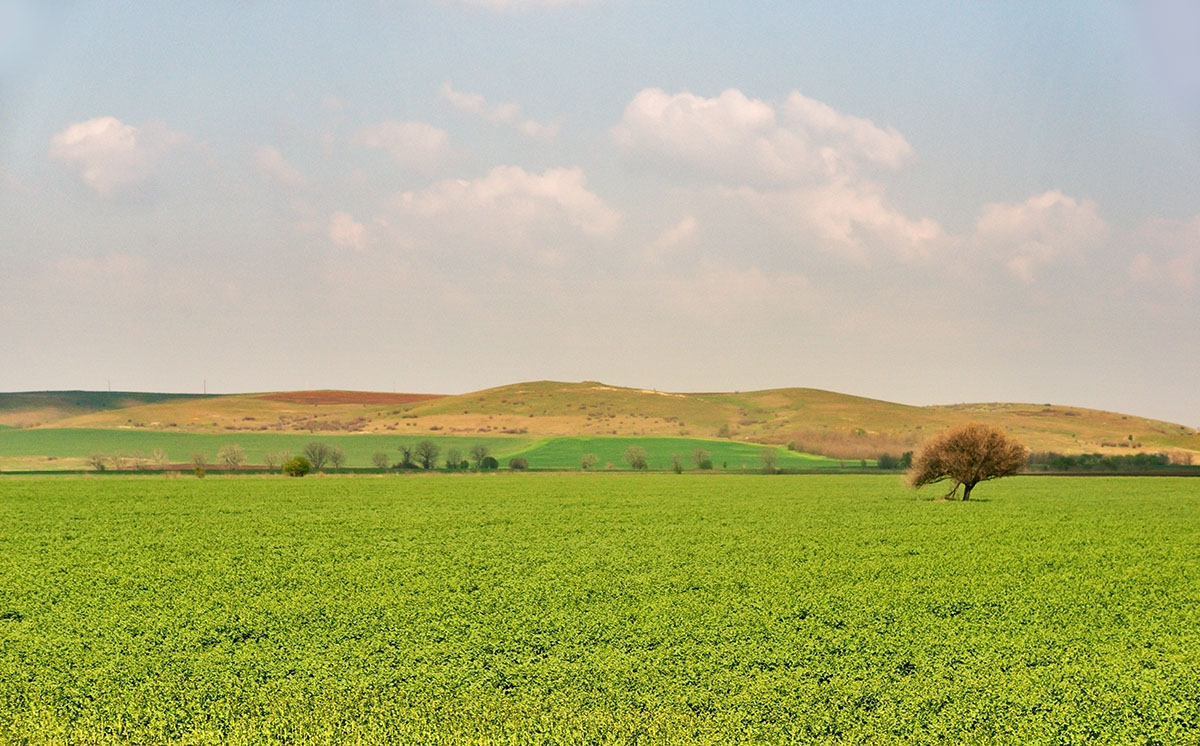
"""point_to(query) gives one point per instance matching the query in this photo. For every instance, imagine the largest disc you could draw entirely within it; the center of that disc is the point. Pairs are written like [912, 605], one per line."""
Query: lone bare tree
[380, 460]
[967, 455]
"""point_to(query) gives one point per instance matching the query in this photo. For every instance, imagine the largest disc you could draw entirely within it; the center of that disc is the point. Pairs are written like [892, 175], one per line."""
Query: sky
[925, 202]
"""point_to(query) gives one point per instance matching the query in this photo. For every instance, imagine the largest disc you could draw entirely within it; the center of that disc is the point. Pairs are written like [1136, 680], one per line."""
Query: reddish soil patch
[347, 397]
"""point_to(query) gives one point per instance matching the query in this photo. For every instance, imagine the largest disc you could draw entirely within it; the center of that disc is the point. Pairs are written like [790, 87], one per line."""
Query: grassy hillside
[829, 423]
[32, 408]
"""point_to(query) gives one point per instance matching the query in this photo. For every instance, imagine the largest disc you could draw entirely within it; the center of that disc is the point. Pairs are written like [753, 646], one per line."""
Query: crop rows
[597, 609]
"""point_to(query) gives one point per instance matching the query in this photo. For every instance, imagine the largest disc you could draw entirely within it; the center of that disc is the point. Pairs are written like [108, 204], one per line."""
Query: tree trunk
[967, 487]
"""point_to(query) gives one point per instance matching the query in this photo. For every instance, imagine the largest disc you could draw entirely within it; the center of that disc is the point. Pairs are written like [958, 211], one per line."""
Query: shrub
[297, 466]
[588, 461]
[518, 464]
[489, 463]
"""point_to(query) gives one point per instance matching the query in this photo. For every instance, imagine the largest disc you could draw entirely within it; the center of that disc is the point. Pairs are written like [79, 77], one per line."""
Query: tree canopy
[967, 455]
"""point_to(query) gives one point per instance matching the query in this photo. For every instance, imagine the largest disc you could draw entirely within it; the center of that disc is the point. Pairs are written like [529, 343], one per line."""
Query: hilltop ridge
[814, 420]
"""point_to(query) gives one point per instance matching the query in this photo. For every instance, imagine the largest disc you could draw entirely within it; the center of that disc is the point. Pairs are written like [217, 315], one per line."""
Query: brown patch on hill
[347, 397]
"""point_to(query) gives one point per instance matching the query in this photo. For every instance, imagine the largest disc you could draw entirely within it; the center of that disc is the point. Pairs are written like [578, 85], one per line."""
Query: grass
[838, 425]
[597, 608]
[68, 448]
[565, 453]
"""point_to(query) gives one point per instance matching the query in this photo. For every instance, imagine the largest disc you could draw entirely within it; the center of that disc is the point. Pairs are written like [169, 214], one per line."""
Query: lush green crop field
[67, 448]
[70, 446]
[597, 608]
[565, 453]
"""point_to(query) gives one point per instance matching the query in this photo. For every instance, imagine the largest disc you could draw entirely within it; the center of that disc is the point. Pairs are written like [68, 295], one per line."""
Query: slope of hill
[811, 420]
[32, 408]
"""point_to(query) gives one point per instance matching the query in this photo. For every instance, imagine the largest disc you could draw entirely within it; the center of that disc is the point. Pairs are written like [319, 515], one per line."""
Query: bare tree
[160, 458]
[453, 459]
[702, 459]
[769, 458]
[98, 461]
[406, 456]
[199, 460]
[427, 452]
[676, 463]
[588, 461]
[966, 456]
[275, 458]
[637, 457]
[337, 457]
[380, 459]
[317, 454]
[231, 455]
[478, 453]
[137, 460]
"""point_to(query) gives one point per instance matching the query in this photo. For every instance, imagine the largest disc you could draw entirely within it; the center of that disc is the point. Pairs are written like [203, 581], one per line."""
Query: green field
[66, 448]
[597, 608]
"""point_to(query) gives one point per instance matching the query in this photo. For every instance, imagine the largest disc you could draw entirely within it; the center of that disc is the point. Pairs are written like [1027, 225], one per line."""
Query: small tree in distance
[637, 457]
[588, 461]
[967, 455]
[316, 454]
[380, 460]
[231, 455]
[478, 453]
[296, 466]
[427, 453]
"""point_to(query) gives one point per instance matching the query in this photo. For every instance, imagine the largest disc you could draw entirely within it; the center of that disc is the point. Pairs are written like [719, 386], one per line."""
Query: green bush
[297, 466]
[518, 464]
[489, 463]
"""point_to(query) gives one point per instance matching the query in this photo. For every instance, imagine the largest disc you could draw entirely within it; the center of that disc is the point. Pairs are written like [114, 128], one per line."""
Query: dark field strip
[598, 609]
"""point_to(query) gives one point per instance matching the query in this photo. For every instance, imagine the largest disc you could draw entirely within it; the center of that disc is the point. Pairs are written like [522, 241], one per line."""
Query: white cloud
[415, 144]
[738, 140]
[273, 166]
[719, 292]
[1171, 254]
[799, 165]
[512, 199]
[680, 233]
[507, 114]
[347, 232]
[1044, 229]
[111, 157]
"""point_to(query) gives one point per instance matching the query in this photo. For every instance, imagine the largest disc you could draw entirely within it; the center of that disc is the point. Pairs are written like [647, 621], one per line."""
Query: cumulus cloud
[1044, 229]
[347, 232]
[507, 114]
[737, 140]
[110, 156]
[273, 166]
[801, 165]
[414, 144]
[511, 198]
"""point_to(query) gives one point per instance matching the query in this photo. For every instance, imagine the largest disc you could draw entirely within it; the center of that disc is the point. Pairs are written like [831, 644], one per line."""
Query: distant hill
[33, 408]
[813, 420]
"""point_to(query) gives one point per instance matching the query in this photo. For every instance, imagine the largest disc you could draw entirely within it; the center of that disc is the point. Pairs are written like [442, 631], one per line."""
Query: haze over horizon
[924, 203]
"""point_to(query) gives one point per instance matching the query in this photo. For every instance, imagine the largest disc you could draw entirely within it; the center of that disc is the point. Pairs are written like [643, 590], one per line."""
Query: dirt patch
[347, 397]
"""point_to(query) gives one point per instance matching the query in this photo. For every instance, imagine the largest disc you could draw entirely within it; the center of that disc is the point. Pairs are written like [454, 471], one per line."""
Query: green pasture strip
[597, 608]
[566, 452]
[549, 453]
[79, 443]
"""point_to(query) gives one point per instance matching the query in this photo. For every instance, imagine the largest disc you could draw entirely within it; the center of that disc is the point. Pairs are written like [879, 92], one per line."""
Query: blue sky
[926, 202]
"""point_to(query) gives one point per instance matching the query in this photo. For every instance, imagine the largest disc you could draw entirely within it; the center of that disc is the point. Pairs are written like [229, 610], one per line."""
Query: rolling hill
[811, 420]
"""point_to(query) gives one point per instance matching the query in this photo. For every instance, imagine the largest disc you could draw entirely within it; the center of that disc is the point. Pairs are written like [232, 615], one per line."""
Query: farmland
[526, 608]
[67, 448]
